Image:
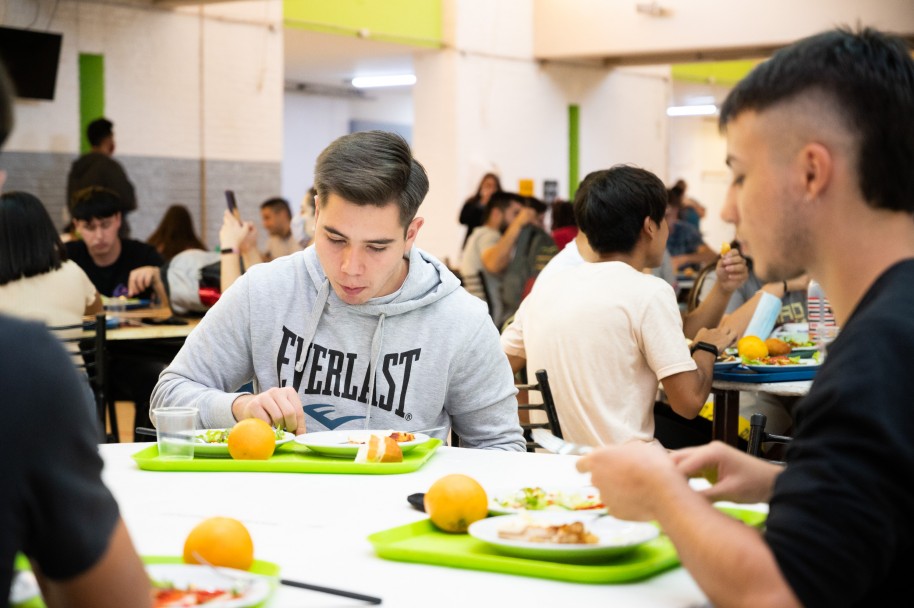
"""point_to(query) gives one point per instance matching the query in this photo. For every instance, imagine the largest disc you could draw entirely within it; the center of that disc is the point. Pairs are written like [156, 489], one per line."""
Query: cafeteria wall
[195, 95]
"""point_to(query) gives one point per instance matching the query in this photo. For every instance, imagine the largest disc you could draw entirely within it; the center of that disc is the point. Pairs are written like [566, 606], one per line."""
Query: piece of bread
[777, 347]
[379, 449]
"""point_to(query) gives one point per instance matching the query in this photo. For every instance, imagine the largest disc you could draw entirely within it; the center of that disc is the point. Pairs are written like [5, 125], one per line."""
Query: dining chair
[547, 406]
[758, 435]
[90, 357]
[694, 297]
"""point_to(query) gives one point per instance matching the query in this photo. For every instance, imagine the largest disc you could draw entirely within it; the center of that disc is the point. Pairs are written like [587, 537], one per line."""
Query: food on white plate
[169, 597]
[726, 358]
[572, 533]
[379, 449]
[780, 360]
[398, 436]
[213, 436]
[537, 499]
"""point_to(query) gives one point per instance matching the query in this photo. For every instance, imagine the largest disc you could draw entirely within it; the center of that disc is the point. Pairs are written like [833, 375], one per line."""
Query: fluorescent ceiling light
[367, 82]
[699, 110]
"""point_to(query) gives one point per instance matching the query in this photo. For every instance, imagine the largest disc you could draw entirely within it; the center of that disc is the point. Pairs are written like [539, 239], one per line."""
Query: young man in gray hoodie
[313, 328]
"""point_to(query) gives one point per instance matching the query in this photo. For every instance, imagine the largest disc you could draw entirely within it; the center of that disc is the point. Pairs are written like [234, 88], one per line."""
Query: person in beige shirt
[276, 216]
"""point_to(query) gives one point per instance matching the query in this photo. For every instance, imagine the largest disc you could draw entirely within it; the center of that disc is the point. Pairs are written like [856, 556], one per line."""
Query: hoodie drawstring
[376, 340]
[313, 320]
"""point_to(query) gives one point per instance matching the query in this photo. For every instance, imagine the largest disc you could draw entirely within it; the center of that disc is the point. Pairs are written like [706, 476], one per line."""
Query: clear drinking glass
[175, 428]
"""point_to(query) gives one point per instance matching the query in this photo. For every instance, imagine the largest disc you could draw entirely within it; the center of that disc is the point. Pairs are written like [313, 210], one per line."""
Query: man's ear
[649, 227]
[412, 231]
[817, 163]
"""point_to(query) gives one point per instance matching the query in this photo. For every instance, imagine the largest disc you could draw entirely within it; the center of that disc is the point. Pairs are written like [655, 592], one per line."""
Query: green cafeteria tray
[421, 542]
[290, 458]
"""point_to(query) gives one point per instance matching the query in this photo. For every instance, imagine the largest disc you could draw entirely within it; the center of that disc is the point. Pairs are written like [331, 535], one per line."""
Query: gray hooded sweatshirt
[430, 346]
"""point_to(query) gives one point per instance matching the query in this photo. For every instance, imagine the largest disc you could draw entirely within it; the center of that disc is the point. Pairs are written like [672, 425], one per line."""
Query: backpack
[533, 250]
[192, 280]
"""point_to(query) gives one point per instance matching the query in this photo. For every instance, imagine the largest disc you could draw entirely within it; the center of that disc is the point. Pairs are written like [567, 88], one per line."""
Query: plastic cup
[175, 428]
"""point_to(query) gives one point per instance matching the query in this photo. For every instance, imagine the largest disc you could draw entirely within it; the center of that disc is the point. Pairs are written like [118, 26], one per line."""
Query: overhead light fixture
[697, 110]
[368, 82]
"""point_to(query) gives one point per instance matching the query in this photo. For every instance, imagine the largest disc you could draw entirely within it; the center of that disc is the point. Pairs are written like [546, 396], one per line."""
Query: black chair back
[548, 406]
[758, 435]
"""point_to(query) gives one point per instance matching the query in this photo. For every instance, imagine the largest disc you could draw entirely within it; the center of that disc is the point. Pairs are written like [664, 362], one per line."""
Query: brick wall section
[159, 182]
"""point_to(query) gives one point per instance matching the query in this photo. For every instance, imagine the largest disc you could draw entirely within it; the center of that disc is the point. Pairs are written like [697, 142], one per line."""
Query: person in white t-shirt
[606, 332]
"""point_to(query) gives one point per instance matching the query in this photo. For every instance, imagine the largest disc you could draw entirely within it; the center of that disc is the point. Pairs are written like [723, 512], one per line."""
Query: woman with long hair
[175, 233]
[473, 207]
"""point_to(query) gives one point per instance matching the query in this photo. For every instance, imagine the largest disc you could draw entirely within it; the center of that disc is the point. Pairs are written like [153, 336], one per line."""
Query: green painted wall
[574, 146]
[414, 22]
[91, 94]
[716, 72]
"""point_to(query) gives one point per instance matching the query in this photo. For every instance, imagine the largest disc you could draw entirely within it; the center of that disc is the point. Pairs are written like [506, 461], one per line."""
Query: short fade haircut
[29, 243]
[610, 206]
[501, 200]
[94, 203]
[277, 204]
[868, 77]
[99, 130]
[372, 168]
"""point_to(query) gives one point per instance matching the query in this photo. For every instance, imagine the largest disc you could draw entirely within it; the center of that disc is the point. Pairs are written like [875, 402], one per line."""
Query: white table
[315, 527]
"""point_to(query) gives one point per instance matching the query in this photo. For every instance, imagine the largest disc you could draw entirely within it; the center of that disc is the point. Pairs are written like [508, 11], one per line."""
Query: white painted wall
[569, 28]
[180, 84]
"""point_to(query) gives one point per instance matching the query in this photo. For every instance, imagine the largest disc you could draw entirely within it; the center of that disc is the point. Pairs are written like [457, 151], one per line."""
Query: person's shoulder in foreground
[819, 141]
[362, 303]
[54, 497]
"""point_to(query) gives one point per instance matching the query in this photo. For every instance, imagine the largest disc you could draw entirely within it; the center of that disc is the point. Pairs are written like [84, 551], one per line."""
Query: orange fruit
[221, 541]
[251, 439]
[455, 501]
[751, 347]
[777, 347]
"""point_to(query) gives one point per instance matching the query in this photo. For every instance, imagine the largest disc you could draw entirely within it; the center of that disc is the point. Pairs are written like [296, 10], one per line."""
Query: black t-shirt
[53, 504]
[841, 522]
[112, 280]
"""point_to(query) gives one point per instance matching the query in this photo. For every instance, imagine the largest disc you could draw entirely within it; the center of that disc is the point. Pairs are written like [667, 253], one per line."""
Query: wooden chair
[547, 406]
[694, 297]
[758, 436]
[93, 362]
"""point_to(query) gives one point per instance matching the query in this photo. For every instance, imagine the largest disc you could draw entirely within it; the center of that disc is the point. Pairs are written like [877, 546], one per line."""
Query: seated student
[685, 244]
[121, 267]
[175, 233]
[607, 332]
[362, 330]
[276, 216]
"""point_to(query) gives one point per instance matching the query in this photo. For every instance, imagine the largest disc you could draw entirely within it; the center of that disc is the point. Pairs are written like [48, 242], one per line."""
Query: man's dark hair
[29, 243]
[501, 200]
[610, 206]
[276, 205]
[6, 105]
[99, 130]
[536, 204]
[563, 214]
[869, 79]
[94, 203]
[372, 168]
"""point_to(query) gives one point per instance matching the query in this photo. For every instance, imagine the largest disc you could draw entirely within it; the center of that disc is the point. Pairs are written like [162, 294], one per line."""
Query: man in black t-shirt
[121, 267]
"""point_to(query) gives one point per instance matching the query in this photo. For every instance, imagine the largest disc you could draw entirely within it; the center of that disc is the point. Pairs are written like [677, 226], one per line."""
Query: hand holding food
[278, 406]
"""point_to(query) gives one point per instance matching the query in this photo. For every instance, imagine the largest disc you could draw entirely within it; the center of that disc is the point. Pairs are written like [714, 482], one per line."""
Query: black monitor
[31, 58]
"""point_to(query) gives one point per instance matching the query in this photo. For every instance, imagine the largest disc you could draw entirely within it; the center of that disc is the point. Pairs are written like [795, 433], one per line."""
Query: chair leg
[115, 436]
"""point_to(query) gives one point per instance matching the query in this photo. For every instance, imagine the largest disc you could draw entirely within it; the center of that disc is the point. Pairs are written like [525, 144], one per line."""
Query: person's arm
[731, 273]
[739, 319]
[236, 244]
[687, 391]
[143, 278]
[95, 307]
[496, 258]
[512, 340]
[117, 579]
[729, 560]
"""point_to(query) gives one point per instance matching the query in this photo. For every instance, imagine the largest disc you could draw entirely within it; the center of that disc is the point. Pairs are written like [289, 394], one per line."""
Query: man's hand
[235, 234]
[279, 406]
[141, 279]
[731, 271]
[721, 337]
[525, 216]
[734, 475]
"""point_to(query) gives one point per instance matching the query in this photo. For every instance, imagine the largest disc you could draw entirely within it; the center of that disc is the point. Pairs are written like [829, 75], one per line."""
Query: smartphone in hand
[232, 204]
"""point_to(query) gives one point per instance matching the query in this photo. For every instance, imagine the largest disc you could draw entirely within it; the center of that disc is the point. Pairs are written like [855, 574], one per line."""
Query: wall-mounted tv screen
[31, 59]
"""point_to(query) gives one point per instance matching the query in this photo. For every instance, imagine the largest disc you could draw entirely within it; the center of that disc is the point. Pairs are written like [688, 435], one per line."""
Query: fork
[559, 446]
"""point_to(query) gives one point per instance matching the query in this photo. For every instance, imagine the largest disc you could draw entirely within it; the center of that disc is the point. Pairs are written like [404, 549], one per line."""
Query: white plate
[221, 449]
[181, 576]
[803, 364]
[336, 443]
[615, 536]
[560, 496]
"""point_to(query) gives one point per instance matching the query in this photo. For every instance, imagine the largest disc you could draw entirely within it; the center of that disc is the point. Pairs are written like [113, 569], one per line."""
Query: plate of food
[780, 363]
[581, 500]
[346, 444]
[214, 442]
[562, 536]
[193, 585]
[124, 303]
[727, 360]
